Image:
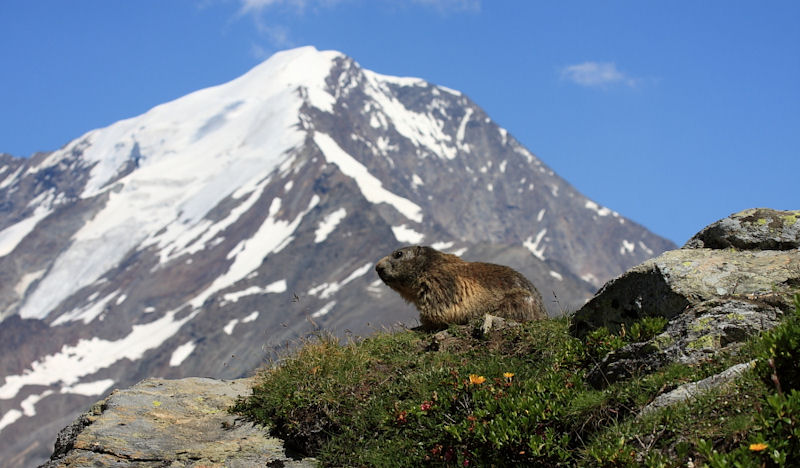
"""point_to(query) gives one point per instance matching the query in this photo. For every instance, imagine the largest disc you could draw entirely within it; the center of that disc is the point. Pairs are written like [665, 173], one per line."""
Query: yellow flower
[475, 379]
[508, 375]
[758, 447]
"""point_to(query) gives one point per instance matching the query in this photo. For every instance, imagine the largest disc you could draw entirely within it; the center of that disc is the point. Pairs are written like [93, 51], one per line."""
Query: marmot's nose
[381, 269]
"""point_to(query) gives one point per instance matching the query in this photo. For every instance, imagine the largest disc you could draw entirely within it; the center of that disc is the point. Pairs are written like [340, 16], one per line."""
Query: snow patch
[376, 288]
[276, 287]
[534, 244]
[26, 281]
[448, 90]
[324, 310]
[556, 275]
[326, 290]
[10, 179]
[28, 405]
[459, 252]
[524, 152]
[11, 236]
[407, 235]
[328, 224]
[590, 205]
[503, 135]
[228, 328]
[181, 353]
[442, 245]
[250, 318]
[416, 181]
[384, 146]
[98, 387]
[9, 418]
[370, 186]
[462, 128]
[627, 247]
[540, 216]
[377, 120]
[591, 279]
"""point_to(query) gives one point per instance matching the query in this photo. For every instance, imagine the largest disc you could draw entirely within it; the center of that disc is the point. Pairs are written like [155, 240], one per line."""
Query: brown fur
[446, 289]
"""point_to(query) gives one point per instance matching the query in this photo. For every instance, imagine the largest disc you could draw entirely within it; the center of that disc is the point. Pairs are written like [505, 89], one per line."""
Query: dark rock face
[197, 238]
[714, 299]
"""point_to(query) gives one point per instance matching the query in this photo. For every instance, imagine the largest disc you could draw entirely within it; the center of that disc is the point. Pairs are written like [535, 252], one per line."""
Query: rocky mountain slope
[195, 238]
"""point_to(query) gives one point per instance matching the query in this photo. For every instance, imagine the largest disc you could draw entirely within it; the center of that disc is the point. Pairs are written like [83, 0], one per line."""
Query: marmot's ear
[418, 249]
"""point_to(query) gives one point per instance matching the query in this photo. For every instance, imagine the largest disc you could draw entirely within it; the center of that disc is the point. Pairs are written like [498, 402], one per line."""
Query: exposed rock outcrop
[714, 294]
[175, 423]
[691, 389]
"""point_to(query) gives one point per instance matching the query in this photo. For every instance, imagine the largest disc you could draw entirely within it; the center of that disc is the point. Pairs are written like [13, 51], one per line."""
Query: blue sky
[674, 114]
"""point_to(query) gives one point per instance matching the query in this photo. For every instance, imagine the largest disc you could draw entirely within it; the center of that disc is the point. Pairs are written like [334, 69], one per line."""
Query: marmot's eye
[397, 254]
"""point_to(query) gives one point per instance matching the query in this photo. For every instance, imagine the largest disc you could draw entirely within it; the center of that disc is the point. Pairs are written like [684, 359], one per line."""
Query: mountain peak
[237, 217]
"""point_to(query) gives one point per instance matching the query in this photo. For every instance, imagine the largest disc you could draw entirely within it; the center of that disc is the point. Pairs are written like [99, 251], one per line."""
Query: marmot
[446, 289]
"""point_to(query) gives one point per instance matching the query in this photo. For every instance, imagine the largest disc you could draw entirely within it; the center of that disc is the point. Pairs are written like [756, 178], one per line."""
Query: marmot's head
[400, 268]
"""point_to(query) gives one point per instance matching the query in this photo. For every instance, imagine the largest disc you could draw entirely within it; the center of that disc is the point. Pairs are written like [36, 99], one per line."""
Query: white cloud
[597, 75]
[299, 6]
[451, 5]
[250, 6]
[265, 14]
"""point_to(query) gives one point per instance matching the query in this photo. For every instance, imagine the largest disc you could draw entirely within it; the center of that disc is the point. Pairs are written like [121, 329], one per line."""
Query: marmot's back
[446, 289]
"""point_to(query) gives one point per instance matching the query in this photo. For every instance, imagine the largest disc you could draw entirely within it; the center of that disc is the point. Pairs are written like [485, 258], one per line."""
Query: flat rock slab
[169, 423]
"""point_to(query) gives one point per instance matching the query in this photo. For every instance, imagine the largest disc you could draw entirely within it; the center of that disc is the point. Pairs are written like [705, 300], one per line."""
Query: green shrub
[600, 342]
[780, 361]
[646, 328]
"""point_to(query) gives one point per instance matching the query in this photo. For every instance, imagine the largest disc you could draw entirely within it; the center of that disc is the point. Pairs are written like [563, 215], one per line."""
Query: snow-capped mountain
[198, 237]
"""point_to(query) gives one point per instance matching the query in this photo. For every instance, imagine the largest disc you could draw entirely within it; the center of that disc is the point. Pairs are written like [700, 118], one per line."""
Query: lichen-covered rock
[753, 229]
[697, 334]
[713, 294]
[169, 423]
